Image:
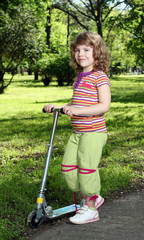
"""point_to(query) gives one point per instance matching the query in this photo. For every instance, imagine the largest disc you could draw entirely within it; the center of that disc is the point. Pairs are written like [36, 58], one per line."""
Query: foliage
[116, 22]
[18, 41]
[136, 29]
[119, 22]
[57, 65]
[58, 36]
[128, 23]
[84, 12]
[121, 59]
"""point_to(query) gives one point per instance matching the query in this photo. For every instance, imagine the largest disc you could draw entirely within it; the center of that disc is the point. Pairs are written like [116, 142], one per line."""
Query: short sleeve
[101, 80]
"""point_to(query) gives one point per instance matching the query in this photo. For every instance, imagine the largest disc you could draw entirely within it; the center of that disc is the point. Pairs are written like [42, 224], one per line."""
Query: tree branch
[92, 10]
[133, 33]
[85, 5]
[71, 14]
[86, 15]
[110, 10]
[113, 22]
[9, 82]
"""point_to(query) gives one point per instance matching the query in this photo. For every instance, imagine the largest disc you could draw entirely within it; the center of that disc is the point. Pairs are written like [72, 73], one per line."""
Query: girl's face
[84, 57]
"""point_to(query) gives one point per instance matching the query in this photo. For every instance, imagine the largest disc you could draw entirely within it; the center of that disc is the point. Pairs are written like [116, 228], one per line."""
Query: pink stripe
[102, 83]
[100, 203]
[72, 167]
[88, 171]
[69, 165]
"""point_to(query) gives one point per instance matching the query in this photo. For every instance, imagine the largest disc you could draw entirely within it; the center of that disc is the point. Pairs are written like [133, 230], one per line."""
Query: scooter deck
[64, 210]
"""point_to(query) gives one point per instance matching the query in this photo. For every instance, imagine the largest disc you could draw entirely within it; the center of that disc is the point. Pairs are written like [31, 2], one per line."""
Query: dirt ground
[120, 219]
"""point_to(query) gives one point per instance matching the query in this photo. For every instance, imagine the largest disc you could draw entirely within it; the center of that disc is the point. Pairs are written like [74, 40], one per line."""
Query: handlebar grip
[44, 111]
[54, 110]
[61, 111]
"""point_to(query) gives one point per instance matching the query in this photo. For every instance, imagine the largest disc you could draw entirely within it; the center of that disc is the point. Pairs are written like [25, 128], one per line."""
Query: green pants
[80, 162]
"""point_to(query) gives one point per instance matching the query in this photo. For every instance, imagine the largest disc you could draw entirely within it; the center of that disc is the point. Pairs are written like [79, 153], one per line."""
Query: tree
[131, 20]
[18, 40]
[59, 31]
[96, 11]
[121, 59]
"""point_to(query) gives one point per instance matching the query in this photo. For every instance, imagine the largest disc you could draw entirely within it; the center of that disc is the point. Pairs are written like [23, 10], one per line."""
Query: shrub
[56, 65]
[63, 70]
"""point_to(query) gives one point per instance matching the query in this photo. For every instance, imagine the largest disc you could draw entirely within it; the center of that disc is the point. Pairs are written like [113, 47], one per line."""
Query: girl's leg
[89, 156]
[70, 164]
[83, 195]
[90, 203]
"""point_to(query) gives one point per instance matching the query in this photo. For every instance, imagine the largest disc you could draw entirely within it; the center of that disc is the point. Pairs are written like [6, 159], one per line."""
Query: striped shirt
[86, 94]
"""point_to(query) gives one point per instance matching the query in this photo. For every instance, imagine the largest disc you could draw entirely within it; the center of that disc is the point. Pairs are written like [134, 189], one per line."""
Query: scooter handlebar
[55, 110]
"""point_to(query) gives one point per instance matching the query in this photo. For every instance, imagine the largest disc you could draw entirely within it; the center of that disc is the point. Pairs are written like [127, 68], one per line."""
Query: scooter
[43, 211]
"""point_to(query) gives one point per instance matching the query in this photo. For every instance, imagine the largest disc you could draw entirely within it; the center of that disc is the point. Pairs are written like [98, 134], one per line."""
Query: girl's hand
[70, 111]
[49, 107]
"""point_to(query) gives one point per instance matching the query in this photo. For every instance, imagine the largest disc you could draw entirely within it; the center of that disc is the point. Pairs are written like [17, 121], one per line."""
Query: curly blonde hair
[100, 53]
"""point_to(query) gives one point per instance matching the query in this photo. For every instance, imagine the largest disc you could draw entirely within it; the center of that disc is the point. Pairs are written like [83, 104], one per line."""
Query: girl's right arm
[49, 107]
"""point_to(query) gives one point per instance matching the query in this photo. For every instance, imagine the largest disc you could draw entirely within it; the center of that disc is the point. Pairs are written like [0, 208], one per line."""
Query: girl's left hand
[71, 111]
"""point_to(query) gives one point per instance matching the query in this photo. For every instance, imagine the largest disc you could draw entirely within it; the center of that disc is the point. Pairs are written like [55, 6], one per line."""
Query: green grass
[25, 131]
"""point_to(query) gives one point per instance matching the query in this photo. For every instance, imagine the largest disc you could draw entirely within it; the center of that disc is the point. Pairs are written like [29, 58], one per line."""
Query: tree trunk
[29, 71]
[1, 82]
[68, 28]
[22, 71]
[48, 28]
[36, 75]
[99, 17]
[1, 76]
[3, 87]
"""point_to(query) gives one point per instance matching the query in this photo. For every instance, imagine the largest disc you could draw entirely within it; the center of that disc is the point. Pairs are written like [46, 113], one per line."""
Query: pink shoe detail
[98, 204]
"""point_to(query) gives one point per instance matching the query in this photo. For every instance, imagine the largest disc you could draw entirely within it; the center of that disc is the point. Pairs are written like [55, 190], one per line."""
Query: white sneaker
[98, 203]
[85, 215]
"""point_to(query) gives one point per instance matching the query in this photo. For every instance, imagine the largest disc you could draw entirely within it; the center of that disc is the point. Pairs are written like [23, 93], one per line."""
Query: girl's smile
[84, 57]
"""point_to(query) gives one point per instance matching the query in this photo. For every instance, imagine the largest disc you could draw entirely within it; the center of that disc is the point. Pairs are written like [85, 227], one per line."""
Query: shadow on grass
[132, 98]
[40, 125]
[32, 128]
[36, 85]
[56, 101]
[37, 126]
[127, 89]
[29, 83]
[129, 78]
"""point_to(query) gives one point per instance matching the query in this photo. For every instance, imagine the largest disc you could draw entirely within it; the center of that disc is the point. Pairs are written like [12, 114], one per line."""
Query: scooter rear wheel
[31, 220]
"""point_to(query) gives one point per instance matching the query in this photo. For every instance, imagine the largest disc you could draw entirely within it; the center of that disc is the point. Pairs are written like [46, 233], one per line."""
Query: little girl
[91, 99]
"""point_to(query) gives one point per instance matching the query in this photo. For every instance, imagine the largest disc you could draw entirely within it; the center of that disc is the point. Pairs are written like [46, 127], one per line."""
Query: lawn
[25, 131]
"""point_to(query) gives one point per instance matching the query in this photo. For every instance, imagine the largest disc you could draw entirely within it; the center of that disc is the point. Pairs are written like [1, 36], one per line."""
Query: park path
[120, 219]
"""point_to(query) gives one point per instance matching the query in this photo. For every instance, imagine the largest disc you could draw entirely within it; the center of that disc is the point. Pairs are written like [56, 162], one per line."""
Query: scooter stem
[49, 151]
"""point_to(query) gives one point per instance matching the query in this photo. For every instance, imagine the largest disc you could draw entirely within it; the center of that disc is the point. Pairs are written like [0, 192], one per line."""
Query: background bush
[56, 66]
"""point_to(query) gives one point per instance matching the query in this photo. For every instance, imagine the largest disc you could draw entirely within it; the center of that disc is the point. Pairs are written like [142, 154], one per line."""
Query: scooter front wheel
[31, 220]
